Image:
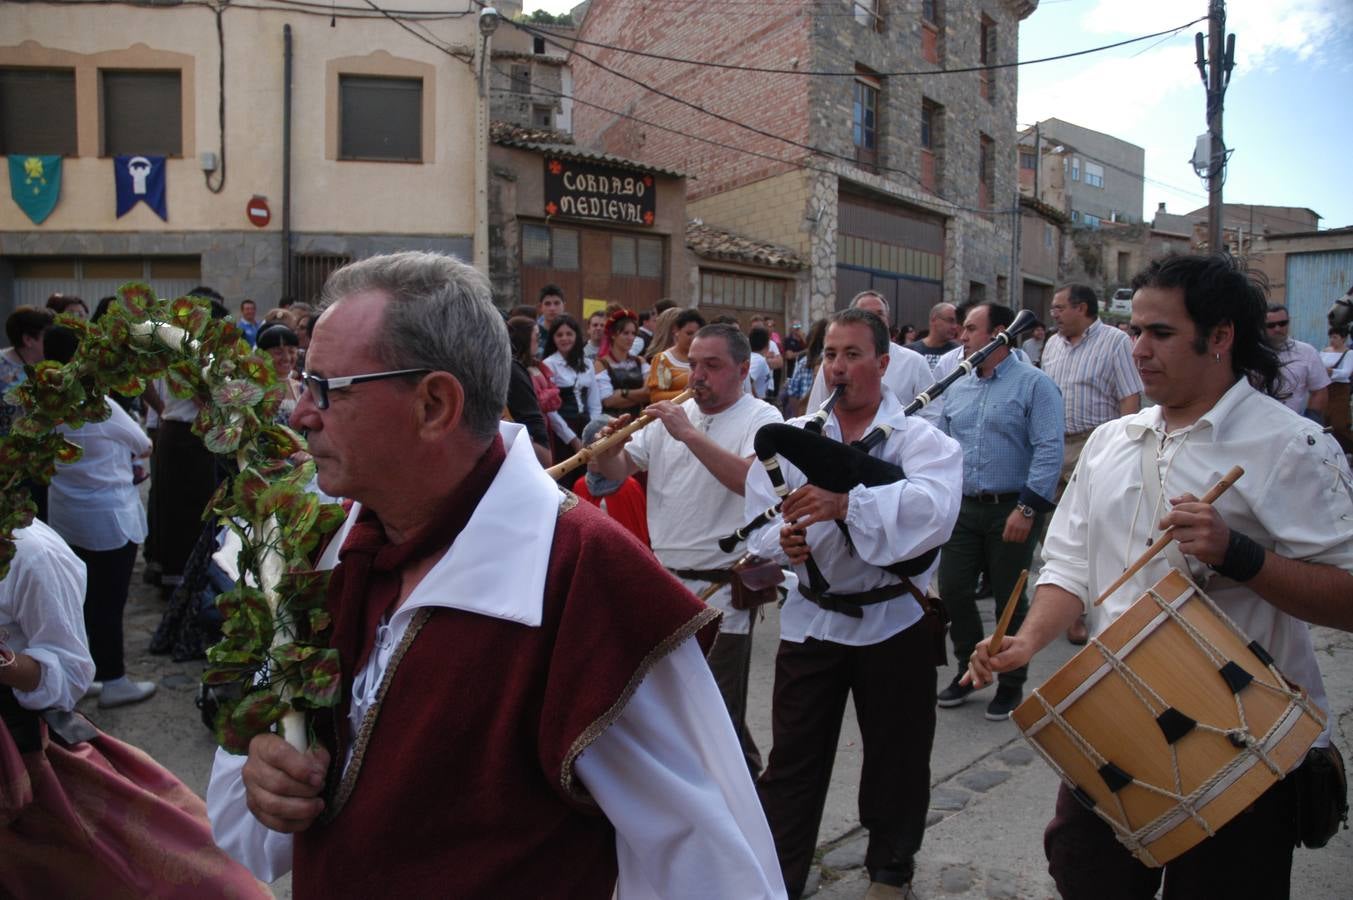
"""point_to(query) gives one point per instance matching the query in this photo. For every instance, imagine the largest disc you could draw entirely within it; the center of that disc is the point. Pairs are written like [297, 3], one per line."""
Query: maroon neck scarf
[365, 586]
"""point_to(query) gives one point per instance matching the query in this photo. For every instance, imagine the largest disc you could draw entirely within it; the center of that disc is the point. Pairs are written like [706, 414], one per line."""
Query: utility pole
[1216, 74]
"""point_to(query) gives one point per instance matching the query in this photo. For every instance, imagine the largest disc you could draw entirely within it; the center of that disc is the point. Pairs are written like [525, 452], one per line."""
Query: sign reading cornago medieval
[581, 190]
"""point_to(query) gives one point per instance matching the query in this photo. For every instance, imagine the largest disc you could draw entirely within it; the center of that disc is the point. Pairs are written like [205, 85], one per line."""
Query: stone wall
[774, 36]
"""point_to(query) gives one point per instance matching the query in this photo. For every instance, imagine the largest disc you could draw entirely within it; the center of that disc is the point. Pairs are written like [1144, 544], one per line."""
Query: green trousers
[976, 548]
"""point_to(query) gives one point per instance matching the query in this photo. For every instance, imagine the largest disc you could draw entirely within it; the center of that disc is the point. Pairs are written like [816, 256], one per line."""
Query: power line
[299, 7]
[729, 120]
[530, 29]
[1140, 176]
[796, 164]
[425, 39]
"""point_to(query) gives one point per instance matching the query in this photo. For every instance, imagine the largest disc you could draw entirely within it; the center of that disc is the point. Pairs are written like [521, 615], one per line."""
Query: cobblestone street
[991, 796]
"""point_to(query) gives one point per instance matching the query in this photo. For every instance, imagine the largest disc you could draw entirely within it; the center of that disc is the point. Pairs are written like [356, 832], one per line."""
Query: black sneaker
[1008, 696]
[954, 694]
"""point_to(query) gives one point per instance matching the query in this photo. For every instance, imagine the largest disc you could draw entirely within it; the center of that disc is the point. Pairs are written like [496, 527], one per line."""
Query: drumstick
[1167, 535]
[998, 635]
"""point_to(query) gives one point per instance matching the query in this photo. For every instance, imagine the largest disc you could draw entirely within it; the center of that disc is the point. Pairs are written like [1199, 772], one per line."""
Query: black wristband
[1244, 558]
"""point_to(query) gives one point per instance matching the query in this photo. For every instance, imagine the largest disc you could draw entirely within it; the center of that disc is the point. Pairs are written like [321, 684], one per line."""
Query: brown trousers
[1337, 415]
[1250, 858]
[893, 686]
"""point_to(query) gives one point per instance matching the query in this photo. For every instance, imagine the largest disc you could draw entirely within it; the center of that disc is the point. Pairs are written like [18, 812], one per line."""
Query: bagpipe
[837, 467]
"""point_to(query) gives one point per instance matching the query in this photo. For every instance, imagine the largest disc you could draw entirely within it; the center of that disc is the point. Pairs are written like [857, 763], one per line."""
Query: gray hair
[441, 317]
[738, 347]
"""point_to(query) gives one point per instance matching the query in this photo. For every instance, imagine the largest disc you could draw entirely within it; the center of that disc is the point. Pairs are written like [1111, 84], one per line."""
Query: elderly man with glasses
[512, 723]
[1304, 385]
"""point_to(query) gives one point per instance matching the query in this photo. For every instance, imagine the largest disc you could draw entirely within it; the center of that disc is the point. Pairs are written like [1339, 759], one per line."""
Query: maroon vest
[466, 785]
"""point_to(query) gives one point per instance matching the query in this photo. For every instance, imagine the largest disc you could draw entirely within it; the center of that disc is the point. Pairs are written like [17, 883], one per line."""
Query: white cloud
[1114, 95]
[1264, 29]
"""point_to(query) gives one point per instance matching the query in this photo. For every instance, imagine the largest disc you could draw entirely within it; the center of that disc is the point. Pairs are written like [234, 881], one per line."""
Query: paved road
[991, 799]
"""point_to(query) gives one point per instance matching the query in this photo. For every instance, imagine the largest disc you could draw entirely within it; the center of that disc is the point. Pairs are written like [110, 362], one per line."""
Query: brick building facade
[877, 176]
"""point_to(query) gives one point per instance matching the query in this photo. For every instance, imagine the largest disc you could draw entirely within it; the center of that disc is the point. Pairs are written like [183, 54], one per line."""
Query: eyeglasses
[1272, 325]
[319, 388]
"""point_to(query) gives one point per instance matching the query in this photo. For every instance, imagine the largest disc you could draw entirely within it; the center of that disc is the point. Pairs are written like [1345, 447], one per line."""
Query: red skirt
[102, 819]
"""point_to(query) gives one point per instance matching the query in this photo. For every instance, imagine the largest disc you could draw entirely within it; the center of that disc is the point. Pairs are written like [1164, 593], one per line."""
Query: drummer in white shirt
[1275, 551]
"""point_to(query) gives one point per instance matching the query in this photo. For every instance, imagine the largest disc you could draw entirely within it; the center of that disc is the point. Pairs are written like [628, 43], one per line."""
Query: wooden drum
[1170, 722]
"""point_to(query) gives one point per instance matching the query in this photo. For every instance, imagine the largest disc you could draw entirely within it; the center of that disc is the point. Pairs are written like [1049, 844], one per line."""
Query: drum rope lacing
[1241, 737]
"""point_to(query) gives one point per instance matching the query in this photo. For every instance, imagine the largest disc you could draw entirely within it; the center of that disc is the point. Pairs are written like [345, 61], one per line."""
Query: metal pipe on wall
[286, 163]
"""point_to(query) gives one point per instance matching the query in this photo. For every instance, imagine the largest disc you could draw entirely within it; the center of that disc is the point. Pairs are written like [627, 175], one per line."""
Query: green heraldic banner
[35, 182]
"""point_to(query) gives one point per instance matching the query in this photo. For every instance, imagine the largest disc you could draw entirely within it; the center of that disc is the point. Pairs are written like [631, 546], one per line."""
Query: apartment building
[1093, 177]
[836, 138]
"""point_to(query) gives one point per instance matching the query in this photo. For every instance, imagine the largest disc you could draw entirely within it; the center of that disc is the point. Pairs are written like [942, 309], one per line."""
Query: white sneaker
[95, 688]
[122, 691]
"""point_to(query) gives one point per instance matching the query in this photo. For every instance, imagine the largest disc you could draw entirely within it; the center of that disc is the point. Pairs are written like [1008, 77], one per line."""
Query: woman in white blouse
[577, 382]
[93, 504]
[81, 813]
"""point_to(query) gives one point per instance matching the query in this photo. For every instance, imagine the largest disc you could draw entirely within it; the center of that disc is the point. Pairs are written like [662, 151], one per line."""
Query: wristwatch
[1025, 510]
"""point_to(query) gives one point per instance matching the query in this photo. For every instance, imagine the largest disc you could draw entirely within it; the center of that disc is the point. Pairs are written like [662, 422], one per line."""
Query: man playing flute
[1274, 551]
[697, 463]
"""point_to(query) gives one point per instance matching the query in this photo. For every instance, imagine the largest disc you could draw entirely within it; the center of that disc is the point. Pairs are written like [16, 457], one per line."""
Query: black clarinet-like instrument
[1023, 322]
[839, 469]
[819, 419]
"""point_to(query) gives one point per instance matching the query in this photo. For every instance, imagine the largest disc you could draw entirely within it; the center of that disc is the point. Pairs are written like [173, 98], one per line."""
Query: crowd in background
[569, 380]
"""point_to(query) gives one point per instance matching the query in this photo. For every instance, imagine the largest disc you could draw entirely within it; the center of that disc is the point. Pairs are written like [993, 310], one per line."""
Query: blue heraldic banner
[35, 184]
[140, 178]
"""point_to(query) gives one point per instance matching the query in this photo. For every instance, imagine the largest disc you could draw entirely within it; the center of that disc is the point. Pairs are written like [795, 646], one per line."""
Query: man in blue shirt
[247, 324]
[1008, 418]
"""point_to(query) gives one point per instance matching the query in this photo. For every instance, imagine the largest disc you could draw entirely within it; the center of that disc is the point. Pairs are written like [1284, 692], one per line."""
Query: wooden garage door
[592, 264]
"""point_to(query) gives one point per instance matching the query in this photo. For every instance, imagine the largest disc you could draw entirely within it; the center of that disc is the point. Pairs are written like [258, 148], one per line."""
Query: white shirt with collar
[668, 775]
[887, 523]
[92, 502]
[1302, 372]
[688, 508]
[1294, 499]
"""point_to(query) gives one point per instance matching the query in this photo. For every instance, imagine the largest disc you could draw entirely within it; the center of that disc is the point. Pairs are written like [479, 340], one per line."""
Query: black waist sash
[22, 723]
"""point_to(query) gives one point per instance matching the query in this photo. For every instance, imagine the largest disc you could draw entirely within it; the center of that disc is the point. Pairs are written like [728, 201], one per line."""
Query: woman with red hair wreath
[621, 374]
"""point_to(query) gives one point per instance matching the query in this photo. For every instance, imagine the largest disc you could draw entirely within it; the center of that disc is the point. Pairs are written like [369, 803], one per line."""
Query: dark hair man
[906, 373]
[758, 338]
[248, 325]
[1007, 417]
[866, 636]
[1279, 539]
[497, 616]
[697, 465]
[549, 306]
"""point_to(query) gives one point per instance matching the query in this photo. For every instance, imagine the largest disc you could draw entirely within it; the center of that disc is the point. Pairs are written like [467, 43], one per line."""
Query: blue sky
[1289, 108]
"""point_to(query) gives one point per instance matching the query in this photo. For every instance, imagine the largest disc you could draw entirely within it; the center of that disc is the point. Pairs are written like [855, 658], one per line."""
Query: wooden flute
[588, 453]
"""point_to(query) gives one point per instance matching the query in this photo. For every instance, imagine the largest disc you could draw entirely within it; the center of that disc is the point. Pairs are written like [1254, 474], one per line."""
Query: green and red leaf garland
[276, 652]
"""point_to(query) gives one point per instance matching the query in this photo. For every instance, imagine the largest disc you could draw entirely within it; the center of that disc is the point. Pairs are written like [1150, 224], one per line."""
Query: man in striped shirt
[1092, 365]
